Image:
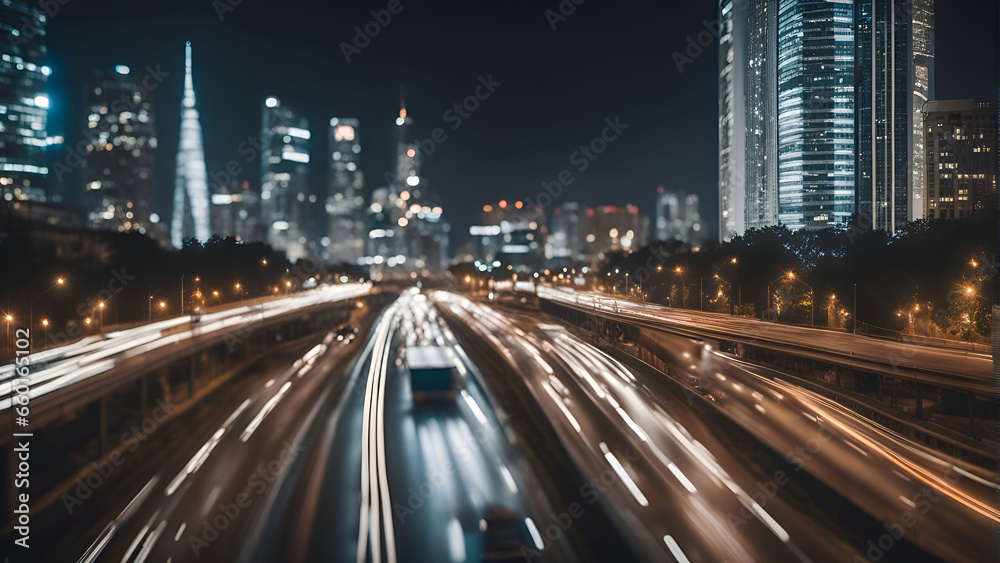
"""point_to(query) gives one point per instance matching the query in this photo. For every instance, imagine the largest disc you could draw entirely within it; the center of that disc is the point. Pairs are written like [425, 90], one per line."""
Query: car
[505, 536]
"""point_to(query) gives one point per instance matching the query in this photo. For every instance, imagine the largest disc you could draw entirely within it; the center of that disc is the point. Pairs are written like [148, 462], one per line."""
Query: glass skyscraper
[23, 102]
[748, 191]
[732, 118]
[284, 178]
[895, 73]
[121, 142]
[815, 88]
[345, 202]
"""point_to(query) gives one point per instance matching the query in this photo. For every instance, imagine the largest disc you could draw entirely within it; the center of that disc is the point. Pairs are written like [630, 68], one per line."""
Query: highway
[62, 367]
[948, 367]
[685, 485]
[330, 458]
[321, 451]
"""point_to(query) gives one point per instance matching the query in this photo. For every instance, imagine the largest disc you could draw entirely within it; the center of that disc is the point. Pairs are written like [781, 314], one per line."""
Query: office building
[678, 217]
[612, 229]
[236, 212]
[566, 237]
[894, 79]
[345, 201]
[513, 233]
[747, 116]
[23, 102]
[961, 163]
[120, 152]
[284, 177]
[815, 119]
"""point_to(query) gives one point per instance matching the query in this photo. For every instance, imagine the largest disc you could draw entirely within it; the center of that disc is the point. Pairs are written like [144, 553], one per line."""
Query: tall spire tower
[191, 212]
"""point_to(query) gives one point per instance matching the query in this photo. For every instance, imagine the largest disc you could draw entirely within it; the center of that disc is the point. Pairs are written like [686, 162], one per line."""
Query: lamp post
[31, 305]
[45, 335]
[812, 298]
[100, 325]
[9, 318]
[788, 275]
[739, 286]
[679, 271]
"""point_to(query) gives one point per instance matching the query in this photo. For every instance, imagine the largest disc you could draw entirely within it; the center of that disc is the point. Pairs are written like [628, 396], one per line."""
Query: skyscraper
[895, 77]
[732, 118]
[23, 102]
[961, 171]
[121, 142]
[565, 241]
[284, 177]
[815, 112]
[191, 216]
[761, 207]
[345, 202]
[612, 229]
[678, 217]
[748, 159]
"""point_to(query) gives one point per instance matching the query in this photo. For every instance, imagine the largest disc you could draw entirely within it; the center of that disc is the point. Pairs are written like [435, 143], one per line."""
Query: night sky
[557, 87]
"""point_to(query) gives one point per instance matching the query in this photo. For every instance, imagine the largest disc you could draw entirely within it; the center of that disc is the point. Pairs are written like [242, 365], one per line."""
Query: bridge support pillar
[920, 403]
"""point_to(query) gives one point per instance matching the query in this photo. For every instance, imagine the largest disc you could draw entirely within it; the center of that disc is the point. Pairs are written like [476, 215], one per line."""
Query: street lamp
[812, 298]
[680, 272]
[9, 319]
[45, 336]
[31, 305]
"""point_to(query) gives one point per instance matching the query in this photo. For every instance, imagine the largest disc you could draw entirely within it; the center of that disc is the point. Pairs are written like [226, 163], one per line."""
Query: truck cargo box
[431, 373]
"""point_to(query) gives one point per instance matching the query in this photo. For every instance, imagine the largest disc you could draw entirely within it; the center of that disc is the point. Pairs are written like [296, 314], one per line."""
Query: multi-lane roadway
[323, 452]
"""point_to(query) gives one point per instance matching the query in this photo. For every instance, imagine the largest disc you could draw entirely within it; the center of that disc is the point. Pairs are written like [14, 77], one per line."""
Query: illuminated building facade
[191, 217]
[513, 233]
[236, 212]
[678, 217]
[23, 102]
[895, 77]
[961, 163]
[284, 177]
[611, 229]
[566, 236]
[815, 119]
[748, 176]
[121, 146]
[345, 201]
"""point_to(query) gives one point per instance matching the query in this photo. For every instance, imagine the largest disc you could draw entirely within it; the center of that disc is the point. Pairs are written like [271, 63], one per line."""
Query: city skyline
[651, 160]
[407, 282]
